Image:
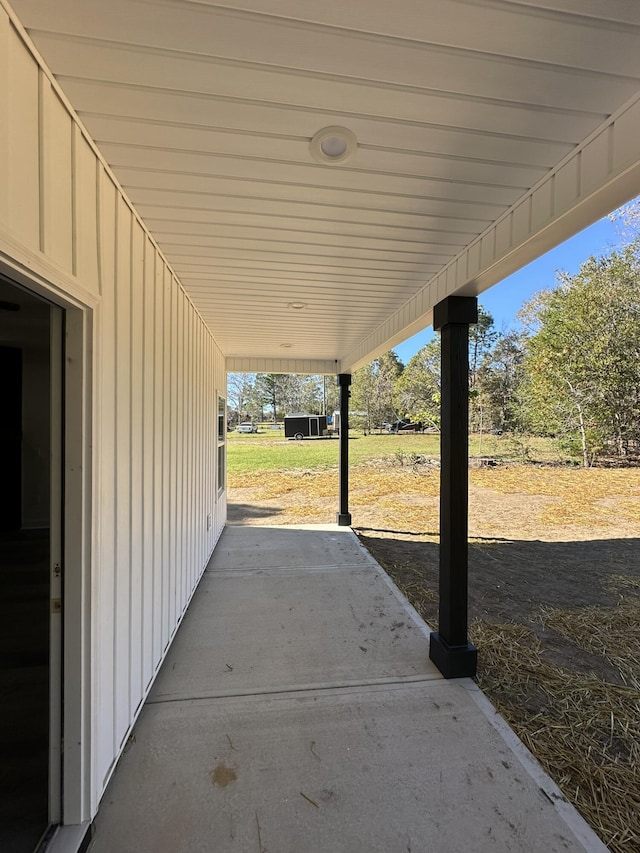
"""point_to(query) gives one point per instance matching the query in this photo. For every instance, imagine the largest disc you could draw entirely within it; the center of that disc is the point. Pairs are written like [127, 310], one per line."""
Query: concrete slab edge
[408, 608]
[566, 810]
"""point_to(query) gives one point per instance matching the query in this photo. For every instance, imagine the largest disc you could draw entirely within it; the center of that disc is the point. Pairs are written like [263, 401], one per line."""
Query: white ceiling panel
[471, 119]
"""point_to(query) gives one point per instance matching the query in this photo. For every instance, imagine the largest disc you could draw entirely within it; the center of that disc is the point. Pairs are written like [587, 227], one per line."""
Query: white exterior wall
[154, 376]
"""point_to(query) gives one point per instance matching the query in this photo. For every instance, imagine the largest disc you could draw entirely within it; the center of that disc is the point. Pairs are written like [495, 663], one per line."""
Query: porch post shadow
[343, 517]
[450, 648]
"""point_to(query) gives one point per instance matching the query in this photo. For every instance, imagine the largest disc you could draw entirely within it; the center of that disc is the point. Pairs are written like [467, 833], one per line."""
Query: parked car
[405, 425]
[247, 426]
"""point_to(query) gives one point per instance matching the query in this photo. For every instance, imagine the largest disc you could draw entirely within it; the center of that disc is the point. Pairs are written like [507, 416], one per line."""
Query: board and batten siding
[156, 373]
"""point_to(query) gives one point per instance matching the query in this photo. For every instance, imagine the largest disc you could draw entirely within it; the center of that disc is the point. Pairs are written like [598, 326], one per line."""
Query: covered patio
[199, 187]
[298, 711]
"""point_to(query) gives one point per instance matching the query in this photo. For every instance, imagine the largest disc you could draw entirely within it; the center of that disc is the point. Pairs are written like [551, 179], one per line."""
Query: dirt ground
[554, 601]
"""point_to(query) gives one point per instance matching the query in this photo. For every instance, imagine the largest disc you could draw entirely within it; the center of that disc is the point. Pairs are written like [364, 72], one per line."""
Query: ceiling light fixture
[297, 306]
[333, 144]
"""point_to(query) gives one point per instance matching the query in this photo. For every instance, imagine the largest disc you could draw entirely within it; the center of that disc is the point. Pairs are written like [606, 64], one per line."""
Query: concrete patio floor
[298, 712]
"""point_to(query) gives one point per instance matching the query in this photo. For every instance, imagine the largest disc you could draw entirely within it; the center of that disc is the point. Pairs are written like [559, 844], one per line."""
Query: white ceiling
[205, 110]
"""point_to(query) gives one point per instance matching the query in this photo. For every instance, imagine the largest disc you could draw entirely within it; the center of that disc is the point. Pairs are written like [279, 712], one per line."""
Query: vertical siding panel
[158, 458]
[210, 450]
[149, 369]
[180, 445]
[123, 471]
[193, 416]
[104, 571]
[193, 405]
[205, 445]
[206, 507]
[184, 426]
[176, 454]
[23, 184]
[187, 485]
[56, 178]
[197, 519]
[135, 389]
[194, 461]
[197, 509]
[193, 433]
[166, 460]
[212, 456]
[180, 442]
[86, 206]
[173, 454]
[213, 466]
[198, 461]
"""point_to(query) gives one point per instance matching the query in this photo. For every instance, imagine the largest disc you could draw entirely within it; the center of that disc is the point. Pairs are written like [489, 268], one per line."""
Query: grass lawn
[270, 450]
[554, 584]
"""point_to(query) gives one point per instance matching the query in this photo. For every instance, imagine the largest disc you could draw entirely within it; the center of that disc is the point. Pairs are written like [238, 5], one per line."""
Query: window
[222, 436]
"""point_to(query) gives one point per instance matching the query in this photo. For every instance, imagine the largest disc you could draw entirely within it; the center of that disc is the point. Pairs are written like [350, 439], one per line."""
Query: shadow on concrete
[243, 513]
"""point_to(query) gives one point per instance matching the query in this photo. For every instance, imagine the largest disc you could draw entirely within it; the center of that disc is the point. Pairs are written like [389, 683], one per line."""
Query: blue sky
[505, 299]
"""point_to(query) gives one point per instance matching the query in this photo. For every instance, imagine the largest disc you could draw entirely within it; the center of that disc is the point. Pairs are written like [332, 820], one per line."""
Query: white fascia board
[597, 177]
[236, 364]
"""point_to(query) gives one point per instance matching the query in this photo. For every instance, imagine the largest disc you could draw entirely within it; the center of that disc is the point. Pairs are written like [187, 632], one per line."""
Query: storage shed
[301, 425]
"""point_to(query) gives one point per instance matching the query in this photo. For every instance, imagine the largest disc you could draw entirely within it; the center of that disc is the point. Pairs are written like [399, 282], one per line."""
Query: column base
[343, 519]
[453, 661]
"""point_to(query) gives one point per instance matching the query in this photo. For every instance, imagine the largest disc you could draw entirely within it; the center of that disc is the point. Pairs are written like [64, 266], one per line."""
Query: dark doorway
[11, 438]
[25, 566]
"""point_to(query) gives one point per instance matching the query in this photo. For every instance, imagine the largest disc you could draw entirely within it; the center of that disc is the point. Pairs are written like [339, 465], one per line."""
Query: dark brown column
[343, 517]
[450, 648]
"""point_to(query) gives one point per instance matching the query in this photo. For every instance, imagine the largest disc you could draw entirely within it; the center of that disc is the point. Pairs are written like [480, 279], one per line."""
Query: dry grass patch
[629, 509]
[275, 484]
[589, 483]
[582, 494]
[419, 519]
[383, 481]
[366, 485]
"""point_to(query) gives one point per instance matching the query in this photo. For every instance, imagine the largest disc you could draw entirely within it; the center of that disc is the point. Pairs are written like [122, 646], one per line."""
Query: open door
[11, 438]
[30, 586]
